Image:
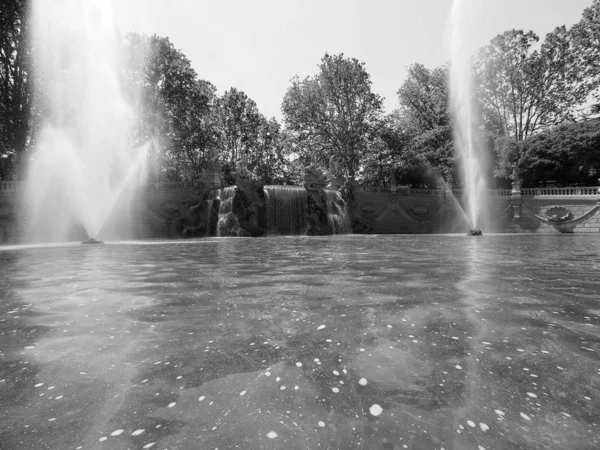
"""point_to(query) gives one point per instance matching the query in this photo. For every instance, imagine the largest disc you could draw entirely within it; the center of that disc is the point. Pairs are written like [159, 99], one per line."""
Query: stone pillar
[516, 198]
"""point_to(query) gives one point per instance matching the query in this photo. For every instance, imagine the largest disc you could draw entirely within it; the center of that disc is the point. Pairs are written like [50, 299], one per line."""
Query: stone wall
[152, 211]
[440, 211]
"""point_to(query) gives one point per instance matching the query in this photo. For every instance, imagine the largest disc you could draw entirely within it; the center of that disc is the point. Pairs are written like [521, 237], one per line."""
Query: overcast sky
[259, 45]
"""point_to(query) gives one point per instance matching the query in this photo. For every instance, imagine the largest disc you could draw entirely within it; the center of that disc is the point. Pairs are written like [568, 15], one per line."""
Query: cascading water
[83, 160]
[465, 118]
[286, 209]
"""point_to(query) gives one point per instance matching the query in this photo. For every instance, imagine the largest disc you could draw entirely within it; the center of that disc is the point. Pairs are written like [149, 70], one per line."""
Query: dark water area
[343, 342]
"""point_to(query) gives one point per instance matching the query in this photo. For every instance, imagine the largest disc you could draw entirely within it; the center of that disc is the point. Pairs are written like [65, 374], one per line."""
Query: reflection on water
[376, 342]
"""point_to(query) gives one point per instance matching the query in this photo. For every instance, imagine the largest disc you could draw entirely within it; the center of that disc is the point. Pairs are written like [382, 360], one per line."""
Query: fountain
[84, 163]
[466, 137]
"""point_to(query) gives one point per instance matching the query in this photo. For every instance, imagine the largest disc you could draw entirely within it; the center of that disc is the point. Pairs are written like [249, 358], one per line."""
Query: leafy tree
[175, 108]
[523, 90]
[268, 156]
[334, 113]
[238, 122]
[425, 118]
[16, 91]
[585, 36]
[568, 153]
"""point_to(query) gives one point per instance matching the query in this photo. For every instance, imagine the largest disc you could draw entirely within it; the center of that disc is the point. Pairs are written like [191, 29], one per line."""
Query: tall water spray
[466, 134]
[83, 161]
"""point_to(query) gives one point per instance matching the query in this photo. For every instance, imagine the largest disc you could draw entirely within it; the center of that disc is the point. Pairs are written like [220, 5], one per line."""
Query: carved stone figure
[315, 181]
[248, 205]
[198, 215]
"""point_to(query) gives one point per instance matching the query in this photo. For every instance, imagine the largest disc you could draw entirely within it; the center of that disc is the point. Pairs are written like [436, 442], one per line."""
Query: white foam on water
[375, 410]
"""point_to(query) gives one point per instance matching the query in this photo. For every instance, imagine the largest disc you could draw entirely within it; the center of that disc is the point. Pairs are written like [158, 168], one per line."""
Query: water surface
[344, 342]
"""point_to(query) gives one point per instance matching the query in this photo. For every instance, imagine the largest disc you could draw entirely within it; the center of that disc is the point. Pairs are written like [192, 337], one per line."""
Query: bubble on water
[243, 393]
[525, 416]
[201, 398]
[531, 394]
[336, 390]
[298, 364]
[278, 379]
[363, 381]
[117, 432]
[483, 426]
[375, 409]
[268, 374]
[151, 444]
[138, 432]
[471, 423]
[58, 398]
[458, 367]
[39, 385]
[296, 388]
[480, 447]
[102, 439]
[172, 404]
[499, 412]
[335, 372]
[455, 338]
[320, 327]
[271, 435]
[282, 388]
[52, 420]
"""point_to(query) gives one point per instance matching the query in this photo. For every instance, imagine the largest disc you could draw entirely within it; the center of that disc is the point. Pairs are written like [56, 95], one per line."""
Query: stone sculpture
[315, 181]
[248, 208]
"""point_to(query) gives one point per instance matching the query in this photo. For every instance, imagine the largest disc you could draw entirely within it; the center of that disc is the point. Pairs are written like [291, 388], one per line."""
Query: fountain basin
[355, 339]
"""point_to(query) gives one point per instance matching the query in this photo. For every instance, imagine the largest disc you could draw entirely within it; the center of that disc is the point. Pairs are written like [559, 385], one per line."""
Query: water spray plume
[84, 158]
[466, 133]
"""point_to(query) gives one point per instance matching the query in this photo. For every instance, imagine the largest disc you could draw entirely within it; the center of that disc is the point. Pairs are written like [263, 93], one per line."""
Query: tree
[238, 121]
[523, 90]
[16, 91]
[334, 113]
[585, 36]
[568, 153]
[425, 118]
[175, 108]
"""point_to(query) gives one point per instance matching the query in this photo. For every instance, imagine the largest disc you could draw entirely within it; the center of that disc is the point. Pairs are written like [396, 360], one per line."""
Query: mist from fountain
[467, 140]
[83, 160]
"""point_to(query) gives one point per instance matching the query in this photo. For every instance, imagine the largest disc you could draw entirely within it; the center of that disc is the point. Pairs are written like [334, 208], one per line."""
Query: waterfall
[286, 209]
[226, 195]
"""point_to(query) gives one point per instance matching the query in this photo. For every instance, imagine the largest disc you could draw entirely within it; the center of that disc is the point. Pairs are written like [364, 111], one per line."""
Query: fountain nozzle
[474, 232]
[92, 241]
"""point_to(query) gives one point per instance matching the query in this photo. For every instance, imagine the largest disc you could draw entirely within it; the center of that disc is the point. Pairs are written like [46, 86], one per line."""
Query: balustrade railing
[10, 186]
[7, 186]
[529, 192]
[558, 191]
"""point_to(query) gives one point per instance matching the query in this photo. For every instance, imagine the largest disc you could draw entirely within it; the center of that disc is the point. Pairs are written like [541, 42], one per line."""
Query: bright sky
[257, 46]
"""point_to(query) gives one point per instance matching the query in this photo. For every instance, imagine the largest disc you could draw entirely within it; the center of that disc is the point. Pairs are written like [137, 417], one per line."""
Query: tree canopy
[334, 113]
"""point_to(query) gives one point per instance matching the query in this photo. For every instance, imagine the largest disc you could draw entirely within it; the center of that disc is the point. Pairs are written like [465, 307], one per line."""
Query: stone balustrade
[560, 191]
[15, 186]
[11, 186]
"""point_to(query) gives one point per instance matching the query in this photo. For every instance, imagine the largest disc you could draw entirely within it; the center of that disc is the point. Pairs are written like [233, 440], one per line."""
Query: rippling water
[377, 342]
